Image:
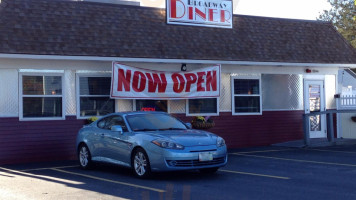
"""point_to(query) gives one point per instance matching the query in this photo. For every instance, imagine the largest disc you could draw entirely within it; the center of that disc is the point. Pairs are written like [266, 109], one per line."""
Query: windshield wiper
[144, 129]
[165, 129]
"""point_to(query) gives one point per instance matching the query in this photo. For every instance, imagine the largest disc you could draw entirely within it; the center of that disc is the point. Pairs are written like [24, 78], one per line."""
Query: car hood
[187, 137]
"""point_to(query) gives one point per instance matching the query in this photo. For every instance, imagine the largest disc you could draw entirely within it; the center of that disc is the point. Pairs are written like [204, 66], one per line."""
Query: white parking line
[253, 174]
[23, 173]
[264, 151]
[84, 175]
[111, 181]
[297, 160]
[351, 152]
[38, 169]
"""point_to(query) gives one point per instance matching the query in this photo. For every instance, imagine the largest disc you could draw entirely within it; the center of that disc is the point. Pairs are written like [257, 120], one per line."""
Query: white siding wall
[347, 125]
[347, 86]
[9, 93]
[9, 80]
[330, 91]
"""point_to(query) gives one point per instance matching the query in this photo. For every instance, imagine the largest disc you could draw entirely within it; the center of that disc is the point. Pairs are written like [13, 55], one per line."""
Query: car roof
[140, 112]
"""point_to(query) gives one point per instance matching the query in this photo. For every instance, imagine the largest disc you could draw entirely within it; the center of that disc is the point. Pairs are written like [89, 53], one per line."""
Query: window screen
[94, 96]
[41, 96]
[204, 106]
[246, 96]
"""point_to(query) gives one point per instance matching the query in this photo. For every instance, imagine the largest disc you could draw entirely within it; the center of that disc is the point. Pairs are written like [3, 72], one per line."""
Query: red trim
[33, 141]
[256, 130]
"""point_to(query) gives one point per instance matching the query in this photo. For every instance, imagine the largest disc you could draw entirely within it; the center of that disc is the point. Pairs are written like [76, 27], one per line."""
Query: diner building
[57, 59]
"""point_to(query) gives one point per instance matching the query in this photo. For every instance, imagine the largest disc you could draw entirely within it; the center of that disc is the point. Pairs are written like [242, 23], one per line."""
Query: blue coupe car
[149, 142]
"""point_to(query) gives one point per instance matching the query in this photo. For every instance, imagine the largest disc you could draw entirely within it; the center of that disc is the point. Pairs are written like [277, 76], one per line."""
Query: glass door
[315, 102]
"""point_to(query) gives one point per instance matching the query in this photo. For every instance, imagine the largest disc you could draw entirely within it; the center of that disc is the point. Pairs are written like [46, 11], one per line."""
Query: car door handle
[102, 135]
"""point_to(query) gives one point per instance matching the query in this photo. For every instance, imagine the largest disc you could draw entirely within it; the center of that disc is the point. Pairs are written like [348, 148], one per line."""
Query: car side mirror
[189, 125]
[117, 128]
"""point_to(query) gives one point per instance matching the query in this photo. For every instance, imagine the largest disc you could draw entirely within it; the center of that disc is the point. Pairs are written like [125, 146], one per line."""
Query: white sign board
[213, 13]
[136, 83]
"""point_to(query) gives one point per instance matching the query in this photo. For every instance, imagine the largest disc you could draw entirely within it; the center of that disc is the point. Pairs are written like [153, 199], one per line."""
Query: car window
[153, 122]
[102, 122]
[116, 120]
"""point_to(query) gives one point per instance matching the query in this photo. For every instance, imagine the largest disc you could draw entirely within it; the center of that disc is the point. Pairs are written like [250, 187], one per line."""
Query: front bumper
[187, 159]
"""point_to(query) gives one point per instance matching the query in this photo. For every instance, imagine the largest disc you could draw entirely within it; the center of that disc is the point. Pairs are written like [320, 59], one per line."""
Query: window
[41, 97]
[246, 96]
[151, 105]
[155, 121]
[94, 96]
[208, 106]
[110, 121]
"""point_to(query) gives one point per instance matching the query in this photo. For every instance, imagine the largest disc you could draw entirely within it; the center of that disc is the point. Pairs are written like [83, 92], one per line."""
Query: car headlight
[220, 142]
[167, 144]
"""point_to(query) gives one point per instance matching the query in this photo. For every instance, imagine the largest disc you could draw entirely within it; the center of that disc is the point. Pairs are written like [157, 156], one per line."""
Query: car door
[99, 144]
[117, 147]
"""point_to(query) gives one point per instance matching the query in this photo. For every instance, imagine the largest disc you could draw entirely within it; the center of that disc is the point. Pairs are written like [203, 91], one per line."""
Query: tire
[141, 164]
[84, 157]
[209, 170]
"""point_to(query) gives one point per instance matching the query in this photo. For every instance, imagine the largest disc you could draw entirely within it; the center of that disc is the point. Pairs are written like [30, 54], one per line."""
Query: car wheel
[84, 157]
[209, 170]
[141, 164]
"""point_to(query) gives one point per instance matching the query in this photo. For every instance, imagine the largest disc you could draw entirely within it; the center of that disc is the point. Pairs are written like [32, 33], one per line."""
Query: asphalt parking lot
[251, 173]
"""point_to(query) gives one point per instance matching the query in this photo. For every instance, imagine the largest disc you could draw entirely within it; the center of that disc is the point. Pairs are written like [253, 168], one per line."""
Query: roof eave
[188, 61]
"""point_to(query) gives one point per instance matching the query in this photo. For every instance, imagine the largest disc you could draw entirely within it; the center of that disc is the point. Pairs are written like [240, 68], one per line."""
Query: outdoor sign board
[136, 83]
[213, 13]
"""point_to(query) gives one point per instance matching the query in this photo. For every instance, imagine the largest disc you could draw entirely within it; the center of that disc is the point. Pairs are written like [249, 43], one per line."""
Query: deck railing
[346, 102]
[329, 123]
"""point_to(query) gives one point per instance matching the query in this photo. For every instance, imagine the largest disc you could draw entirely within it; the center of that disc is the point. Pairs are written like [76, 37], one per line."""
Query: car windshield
[154, 122]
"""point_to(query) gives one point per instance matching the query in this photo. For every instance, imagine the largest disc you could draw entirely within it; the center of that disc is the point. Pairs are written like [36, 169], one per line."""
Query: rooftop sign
[213, 13]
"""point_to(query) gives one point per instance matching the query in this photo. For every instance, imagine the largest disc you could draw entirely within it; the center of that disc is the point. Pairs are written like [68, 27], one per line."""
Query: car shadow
[187, 175]
[103, 176]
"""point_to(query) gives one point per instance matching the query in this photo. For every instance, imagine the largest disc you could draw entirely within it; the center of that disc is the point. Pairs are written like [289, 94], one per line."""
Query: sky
[295, 9]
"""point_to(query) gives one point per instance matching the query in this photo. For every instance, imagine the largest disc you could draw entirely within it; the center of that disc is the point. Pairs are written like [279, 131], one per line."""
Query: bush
[200, 122]
[90, 120]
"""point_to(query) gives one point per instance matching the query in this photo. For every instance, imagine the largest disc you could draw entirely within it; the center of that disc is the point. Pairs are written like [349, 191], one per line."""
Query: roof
[77, 28]
[352, 73]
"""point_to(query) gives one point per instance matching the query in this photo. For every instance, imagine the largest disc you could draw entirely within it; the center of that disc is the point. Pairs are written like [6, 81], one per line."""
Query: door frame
[306, 82]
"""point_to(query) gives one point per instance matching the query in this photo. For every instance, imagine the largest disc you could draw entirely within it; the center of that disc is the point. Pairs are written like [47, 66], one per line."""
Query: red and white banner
[136, 83]
[214, 13]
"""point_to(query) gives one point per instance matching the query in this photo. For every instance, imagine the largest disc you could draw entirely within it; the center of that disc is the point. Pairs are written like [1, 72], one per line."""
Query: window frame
[233, 95]
[77, 88]
[203, 114]
[21, 95]
[168, 104]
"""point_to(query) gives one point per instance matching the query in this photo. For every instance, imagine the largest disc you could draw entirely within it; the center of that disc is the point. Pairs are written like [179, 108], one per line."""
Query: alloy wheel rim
[83, 156]
[140, 163]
